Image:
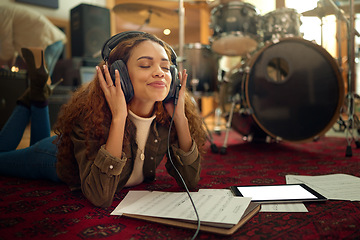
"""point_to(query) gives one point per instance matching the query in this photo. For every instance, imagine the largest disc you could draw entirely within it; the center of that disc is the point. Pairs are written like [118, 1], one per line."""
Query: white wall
[63, 12]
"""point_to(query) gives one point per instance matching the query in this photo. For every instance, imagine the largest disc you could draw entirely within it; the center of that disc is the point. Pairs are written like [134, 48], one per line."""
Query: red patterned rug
[43, 210]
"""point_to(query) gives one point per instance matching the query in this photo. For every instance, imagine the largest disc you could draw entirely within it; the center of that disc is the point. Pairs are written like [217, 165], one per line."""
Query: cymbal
[323, 11]
[319, 12]
[149, 15]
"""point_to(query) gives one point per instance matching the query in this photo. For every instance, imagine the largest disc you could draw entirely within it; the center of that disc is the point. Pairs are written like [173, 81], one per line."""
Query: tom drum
[235, 28]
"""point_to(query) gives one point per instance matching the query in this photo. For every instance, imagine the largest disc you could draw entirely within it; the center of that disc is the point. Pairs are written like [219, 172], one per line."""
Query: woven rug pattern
[39, 209]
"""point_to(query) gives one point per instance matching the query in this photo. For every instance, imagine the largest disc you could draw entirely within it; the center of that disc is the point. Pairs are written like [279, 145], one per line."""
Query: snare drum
[235, 28]
[281, 23]
[293, 91]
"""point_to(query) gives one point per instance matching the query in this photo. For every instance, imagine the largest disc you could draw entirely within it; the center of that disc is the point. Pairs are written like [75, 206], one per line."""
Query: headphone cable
[182, 179]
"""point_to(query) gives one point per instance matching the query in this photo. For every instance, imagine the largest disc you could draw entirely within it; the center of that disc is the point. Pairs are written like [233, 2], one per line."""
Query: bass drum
[201, 65]
[293, 91]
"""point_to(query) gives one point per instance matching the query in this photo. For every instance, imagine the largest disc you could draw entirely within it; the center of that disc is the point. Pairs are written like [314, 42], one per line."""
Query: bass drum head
[294, 90]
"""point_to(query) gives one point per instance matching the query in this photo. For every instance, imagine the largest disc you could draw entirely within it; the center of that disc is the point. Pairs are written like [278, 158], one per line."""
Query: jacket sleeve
[100, 172]
[187, 163]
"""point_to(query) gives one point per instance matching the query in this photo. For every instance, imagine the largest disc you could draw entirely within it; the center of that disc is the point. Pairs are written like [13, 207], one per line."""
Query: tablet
[285, 193]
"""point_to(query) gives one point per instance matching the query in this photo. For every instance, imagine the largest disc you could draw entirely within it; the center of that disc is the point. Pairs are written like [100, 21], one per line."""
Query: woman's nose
[159, 72]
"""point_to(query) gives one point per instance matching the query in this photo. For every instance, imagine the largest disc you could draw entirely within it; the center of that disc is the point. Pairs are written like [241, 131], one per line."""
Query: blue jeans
[52, 55]
[37, 161]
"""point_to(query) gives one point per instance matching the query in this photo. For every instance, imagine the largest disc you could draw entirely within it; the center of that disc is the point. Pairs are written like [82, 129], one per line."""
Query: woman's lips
[158, 84]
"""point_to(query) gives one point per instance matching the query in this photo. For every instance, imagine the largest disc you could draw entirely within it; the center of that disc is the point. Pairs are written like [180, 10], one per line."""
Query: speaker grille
[90, 28]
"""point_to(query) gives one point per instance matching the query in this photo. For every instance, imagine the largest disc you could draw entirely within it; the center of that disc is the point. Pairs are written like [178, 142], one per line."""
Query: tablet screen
[278, 193]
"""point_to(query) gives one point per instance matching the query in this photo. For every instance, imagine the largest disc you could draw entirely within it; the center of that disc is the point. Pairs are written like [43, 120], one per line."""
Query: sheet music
[284, 207]
[333, 186]
[130, 198]
[211, 208]
[218, 192]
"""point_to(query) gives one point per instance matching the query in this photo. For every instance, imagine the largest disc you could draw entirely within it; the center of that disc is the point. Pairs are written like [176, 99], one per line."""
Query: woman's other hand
[113, 93]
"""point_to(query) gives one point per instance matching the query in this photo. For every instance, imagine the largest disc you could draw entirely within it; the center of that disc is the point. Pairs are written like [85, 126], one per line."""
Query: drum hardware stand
[209, 137]
[217, 128]
[194, 82]
[352, 118]
[352, 123]
[180, 60]
[235, 100]
[321, 16]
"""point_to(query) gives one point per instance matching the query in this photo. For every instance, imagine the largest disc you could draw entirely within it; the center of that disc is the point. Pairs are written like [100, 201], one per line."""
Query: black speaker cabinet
[90, 28]
[12, 86]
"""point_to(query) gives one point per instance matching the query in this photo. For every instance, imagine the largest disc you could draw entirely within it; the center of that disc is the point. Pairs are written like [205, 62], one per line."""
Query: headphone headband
[114, 40]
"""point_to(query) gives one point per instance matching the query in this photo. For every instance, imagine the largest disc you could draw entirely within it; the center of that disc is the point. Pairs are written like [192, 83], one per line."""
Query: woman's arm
[100, 172]
[101, 176]
[187, 163]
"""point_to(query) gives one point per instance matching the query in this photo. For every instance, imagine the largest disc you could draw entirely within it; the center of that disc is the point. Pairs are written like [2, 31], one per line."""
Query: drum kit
[284, 88]
[281, 87]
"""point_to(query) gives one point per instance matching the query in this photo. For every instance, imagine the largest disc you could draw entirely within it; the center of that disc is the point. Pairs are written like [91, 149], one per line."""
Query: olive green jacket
[100, 174]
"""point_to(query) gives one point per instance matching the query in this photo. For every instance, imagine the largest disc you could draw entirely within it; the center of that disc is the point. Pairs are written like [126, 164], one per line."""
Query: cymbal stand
[321, 17]
[352, 118]
[181, 34]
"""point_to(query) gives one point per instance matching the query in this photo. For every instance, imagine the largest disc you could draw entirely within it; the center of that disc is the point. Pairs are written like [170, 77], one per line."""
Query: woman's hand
[117, 104]
[180, 108]
[180, 120]
[113, 93]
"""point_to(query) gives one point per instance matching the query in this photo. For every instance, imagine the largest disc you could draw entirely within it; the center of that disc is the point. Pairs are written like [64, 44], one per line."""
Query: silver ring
[110, 85]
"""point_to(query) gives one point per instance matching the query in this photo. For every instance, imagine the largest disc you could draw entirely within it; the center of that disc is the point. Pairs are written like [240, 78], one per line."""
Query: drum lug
[248, 138]
[236, 98]
[247, 111]
[269, 139]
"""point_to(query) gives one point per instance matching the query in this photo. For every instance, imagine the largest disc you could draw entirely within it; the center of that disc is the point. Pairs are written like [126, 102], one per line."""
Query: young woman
[105, 143]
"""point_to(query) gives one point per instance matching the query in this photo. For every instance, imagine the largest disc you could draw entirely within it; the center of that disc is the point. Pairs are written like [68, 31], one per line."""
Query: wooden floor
[25, 141]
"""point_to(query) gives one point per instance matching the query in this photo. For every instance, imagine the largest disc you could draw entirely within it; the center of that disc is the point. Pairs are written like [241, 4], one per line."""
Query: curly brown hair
[89, 108]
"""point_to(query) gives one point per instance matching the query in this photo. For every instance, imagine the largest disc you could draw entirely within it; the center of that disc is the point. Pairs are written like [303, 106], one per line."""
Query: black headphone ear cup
[125, 81]
[175, 82]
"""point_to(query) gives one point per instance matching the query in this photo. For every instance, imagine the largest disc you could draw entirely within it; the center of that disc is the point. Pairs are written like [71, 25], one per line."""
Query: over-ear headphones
[126, 84]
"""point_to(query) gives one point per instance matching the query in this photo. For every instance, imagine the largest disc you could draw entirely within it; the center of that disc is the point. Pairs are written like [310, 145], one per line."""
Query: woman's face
[149, 71]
